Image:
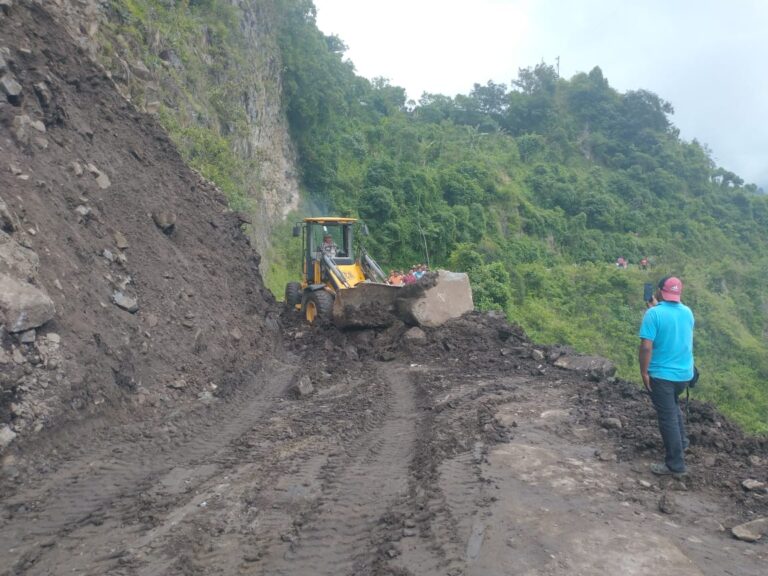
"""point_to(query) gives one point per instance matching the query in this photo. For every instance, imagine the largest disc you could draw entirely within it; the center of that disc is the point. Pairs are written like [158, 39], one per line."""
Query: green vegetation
[535, 190]
[203, 58]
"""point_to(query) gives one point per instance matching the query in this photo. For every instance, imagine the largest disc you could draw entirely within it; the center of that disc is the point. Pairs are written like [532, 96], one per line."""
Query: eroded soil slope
[156, 289]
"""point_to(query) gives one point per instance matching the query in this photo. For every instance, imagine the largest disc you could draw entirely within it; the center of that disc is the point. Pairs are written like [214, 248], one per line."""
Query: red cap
[671, 288]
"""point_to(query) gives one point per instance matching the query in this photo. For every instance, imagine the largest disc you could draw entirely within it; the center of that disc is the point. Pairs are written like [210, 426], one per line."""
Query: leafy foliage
[534, 187]
[535, 190]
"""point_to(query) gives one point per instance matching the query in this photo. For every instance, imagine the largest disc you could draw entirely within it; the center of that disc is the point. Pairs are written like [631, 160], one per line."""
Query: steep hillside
[211, 73]
[156, 289]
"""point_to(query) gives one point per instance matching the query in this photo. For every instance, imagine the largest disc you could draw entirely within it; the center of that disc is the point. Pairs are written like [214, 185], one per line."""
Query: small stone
[667, 504]
[43, 94]
[152, 107]
[120, 241]
[304, 387]
[83, 211]
[6, 436]
[103, 181]
[27, 337]
[166, 221]
[20, 129]
[415, 335]
[755, 460]
[645, 484]
[15, 170]
[11, 88]
[108, 255]
[236, 334]
[178, 384]
[18, 357]
[537, 355]
[152, 320]
[40, 142]
[125, 302]
[77, 169]
[605, 456]
[611, 423]
[53, 337]
[38, 125]
[753, 485]
[751, 531]
[140, 69]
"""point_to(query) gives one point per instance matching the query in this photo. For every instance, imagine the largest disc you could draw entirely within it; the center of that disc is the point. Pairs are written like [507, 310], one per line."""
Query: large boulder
[436, 298]
[24, 306]
[594, 367]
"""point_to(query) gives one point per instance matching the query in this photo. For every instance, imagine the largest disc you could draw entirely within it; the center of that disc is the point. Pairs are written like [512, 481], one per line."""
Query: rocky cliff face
[213, 79]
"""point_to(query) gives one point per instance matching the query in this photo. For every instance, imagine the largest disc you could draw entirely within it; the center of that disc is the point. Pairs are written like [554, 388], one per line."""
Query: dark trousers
[665, 396]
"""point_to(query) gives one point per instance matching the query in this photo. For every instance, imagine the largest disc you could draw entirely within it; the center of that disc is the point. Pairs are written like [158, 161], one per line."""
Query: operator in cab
[328, 247]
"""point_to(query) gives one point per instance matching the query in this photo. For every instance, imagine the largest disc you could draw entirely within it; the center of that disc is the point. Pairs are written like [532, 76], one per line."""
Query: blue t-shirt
[669, 326]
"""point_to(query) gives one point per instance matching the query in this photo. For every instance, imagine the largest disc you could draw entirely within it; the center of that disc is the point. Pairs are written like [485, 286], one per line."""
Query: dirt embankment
[156, 290]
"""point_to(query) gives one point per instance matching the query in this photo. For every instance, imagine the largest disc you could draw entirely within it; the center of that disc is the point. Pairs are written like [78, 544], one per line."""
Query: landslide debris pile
[483, 347]
[124, 279]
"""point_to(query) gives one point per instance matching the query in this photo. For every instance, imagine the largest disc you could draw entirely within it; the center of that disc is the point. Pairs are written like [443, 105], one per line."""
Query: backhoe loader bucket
[367, 305]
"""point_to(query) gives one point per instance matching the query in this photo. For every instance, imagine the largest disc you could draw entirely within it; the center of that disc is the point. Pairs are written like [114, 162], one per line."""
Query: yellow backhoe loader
[340, 280]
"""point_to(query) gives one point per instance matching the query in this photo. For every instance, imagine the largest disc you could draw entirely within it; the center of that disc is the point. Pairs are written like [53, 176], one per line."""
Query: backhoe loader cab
[336, 283]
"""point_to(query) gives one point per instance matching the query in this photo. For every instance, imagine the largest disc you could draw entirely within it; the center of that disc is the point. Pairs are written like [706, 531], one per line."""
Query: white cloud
[704, 56]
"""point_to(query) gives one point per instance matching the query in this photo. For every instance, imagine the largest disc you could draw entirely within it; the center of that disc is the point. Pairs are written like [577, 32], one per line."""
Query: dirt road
[400, 458]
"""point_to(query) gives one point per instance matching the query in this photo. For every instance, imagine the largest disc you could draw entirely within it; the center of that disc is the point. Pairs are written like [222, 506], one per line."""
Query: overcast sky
[706, 57]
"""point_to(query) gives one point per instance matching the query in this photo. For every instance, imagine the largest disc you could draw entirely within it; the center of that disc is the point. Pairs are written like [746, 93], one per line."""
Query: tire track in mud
[448, 496]
[359, 485]
[94, 498]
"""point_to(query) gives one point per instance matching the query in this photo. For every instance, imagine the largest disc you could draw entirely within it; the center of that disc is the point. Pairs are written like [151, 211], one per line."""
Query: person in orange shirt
[395, 278]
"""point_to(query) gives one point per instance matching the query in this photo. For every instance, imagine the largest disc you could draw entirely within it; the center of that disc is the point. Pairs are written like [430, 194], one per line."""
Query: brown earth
[209, 433]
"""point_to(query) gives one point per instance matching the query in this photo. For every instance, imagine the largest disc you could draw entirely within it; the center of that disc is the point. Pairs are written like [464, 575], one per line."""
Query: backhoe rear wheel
[292, 294]
[318, 305]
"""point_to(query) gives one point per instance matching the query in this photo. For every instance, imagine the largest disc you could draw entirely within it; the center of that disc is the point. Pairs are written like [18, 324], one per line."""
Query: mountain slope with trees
[535, 189]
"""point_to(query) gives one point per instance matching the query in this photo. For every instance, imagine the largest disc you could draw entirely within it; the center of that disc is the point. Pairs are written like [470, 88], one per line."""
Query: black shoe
[663, 470]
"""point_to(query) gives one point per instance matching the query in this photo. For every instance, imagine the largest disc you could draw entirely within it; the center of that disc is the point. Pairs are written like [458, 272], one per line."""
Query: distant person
[395, 278]
[419, 271]
[666, 367]
[409, 278]
[644, 263]
[328, 247]
[621, 262]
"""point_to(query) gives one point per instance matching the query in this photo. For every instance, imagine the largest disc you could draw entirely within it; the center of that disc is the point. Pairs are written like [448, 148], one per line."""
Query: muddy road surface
[453, 451]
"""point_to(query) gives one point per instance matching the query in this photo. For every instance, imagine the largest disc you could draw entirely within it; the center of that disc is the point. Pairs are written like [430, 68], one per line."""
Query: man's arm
[644, 354]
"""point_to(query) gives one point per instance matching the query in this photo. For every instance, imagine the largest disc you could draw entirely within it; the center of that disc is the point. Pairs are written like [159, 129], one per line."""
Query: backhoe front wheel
[292, 294]
[318, 305]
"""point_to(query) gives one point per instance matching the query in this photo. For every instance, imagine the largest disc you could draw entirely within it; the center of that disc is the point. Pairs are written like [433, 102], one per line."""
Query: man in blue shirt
[666, 367]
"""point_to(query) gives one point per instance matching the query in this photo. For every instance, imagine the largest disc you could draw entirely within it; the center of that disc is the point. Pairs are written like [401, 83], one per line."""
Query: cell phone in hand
[647, 291]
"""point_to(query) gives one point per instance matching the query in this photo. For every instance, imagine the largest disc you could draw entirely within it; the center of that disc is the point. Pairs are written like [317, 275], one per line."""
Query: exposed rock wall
[240, 102]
